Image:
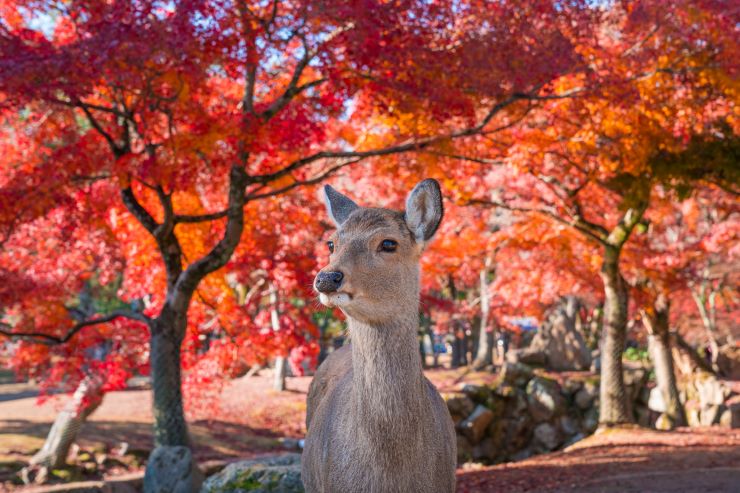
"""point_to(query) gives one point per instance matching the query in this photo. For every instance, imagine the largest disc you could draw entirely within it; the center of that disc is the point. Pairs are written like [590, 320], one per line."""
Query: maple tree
[590, 161]
[168, 126]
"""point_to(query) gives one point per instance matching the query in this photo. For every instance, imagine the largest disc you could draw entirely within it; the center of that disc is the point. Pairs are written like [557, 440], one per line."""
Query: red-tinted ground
[629, 460]
[252, 417]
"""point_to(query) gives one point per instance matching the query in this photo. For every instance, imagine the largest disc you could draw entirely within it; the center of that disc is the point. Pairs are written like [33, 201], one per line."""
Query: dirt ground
[251, 419]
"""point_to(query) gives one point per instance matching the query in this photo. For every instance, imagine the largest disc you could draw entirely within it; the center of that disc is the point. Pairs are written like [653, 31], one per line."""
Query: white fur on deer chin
[335, 299]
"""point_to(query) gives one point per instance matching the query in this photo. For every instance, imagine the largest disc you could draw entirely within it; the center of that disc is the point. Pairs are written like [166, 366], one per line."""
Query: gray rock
[560, 338]
[568, 425]
[584, 398]
[534, 356]
[459, 404]
[591, 420]
[477, 393]
[474, 427]
[544, 399]
[281, 473]
[464, 450]
[486, 450]
[547, 436]
[171, 470]
[515, 374]
[575, 438]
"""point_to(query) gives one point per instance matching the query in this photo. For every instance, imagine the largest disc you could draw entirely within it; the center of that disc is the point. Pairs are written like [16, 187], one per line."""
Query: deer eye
[388, 246]
[330, 244]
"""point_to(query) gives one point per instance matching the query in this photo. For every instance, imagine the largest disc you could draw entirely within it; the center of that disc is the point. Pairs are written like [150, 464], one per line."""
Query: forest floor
[250, 419]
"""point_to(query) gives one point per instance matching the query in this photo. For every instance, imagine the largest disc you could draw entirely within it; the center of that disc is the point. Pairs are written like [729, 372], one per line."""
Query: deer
[375, 423]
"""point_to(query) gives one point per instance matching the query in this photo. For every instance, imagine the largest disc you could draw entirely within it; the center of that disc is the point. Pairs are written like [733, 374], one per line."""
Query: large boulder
[280, 473]
[544, 399]
[560, 338]
[171, 470]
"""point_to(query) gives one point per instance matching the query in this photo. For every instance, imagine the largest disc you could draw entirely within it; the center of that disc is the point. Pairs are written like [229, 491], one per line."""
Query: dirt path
[250, 418]
[631, 460]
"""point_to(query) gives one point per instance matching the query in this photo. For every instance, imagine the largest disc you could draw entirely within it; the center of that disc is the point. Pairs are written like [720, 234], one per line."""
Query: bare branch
[42, 338]
[594, 232]
[312, 181]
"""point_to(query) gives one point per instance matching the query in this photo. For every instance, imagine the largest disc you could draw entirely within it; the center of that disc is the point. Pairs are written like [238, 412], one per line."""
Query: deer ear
[338, 205]
[424, 210]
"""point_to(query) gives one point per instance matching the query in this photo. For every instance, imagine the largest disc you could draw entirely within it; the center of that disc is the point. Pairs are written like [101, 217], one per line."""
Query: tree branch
[138, 211]
[47, 339]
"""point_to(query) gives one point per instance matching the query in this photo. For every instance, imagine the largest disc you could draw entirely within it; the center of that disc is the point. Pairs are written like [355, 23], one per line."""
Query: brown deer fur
[375, 423]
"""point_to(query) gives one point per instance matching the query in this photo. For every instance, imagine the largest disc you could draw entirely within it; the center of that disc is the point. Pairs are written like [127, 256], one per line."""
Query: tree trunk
[659, 345]
[53, 455]
[278, 382]
[613, 400]
[484, 354]
[708, 318]
[170, 428]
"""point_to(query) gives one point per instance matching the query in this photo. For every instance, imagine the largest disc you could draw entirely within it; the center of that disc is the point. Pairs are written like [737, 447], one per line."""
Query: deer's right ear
[338, 205]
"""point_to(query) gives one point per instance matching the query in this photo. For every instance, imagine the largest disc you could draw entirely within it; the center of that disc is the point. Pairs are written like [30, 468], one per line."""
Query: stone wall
[529, 412]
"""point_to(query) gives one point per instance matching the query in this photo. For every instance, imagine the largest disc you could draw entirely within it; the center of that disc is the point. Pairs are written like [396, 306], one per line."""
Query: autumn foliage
[159, 163]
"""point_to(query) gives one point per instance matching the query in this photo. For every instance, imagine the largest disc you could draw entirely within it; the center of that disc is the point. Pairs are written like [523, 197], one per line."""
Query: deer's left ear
[424, 210]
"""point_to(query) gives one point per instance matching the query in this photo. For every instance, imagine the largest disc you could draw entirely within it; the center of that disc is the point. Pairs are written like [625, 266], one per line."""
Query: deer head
[373, 271]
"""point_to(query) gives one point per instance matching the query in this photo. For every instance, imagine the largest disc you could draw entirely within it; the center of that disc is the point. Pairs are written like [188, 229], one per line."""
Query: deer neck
[388, 393]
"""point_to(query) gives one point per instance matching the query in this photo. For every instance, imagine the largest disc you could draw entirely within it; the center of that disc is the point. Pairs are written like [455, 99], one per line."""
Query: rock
[656, 402]
[521, 455]
[171, 470]
[528, 356]
[692, 417]
[584, 398]
[595, 361]
[728, 361]
[486, 450]
[664, 423]
[478, 393]
[568, 425]
[474, 427]
[710, 415]
[290, 443]
[544, 399]
[643, 415]
[591, 420]
[459, 404]
[711, 391]
[515, 374]
[513, 434]
[464, 450]
[575, 438]
[730, 417]
[547, 436]
[281, 473]
[571, 386]
[560, 341]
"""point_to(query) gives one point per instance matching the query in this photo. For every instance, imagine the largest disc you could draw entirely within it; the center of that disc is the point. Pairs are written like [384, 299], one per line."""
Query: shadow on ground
[707, 460]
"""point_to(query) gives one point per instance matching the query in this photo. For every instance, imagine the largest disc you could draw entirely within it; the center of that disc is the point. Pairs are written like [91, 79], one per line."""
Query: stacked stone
[524, 413]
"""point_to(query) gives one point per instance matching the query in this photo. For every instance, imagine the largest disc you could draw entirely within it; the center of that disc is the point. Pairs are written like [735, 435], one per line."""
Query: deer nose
[328, 282]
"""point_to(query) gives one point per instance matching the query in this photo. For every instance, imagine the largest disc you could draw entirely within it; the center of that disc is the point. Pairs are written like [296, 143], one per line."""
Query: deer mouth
[337, 299]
